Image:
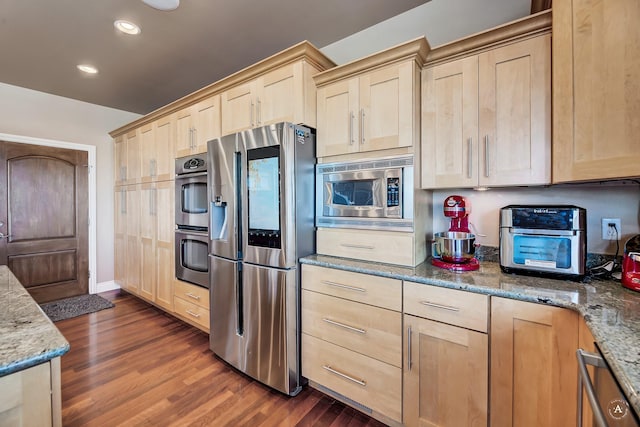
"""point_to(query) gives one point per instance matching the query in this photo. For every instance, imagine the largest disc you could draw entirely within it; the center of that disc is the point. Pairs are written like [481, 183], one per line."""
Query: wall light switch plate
[609, 233]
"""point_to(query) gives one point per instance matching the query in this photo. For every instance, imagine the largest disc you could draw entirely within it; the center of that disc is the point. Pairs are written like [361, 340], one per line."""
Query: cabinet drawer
[191, 311]
[195, 294]
[372, 331]
[374, 290]
[369, 382]
[378, 246]
[460, 308]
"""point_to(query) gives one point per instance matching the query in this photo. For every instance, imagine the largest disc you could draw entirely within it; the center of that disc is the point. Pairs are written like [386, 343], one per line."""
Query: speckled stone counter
[611, 311]
[27, 336]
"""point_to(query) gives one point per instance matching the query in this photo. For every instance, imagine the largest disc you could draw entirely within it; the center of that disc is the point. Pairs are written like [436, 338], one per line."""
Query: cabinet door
[147, 153]
[587, 343]
[445, 376]
[206, 123]
[133, 157]
[164, 137]
[132, 262]
[338, 118]
[147, 233]
[165, 231]
[533, 364]
[238, 108]
[120, 160]
[387, 107]
[184, 133]
[450, 124]
[280, 96]
[596, 97]
[515, 113]
[120, 238]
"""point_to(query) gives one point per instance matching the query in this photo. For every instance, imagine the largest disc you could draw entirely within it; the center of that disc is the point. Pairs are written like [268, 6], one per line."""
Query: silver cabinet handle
[342, 325]
[123, 202]
[193, 296]
[251, 114]
[409, 348]
[362, 126]
[470, 160]
[444, 307]
[586, 358]
[258, 111]
[363, 383]
[351, 119]
[486, 156]
[349, 245]
[195, 138]
[152, 167]
[191, 313]
[123, 173]
[340, 285]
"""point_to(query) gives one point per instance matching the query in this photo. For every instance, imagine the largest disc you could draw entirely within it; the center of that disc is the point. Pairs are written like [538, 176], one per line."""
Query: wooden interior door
[44, 215]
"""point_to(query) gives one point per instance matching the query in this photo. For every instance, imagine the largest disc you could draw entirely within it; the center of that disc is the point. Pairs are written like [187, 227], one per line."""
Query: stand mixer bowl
[454, 246]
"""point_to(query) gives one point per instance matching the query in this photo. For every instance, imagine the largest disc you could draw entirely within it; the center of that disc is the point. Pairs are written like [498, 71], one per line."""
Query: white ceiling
[42, 41]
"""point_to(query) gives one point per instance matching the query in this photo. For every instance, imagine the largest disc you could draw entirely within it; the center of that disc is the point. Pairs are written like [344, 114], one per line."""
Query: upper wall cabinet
[486, 111]
[596, 94]
[156, 150]
[196, 125]
[371, 104]
[277, 96]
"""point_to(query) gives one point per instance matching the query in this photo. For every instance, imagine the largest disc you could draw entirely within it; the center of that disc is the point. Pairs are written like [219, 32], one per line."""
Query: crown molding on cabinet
[301, 51]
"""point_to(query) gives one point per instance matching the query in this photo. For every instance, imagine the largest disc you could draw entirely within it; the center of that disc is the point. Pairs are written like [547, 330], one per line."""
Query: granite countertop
[611, 311]
[27, 336]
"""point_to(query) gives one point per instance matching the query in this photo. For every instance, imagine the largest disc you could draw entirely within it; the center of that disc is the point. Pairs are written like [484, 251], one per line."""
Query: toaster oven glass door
[542, 251]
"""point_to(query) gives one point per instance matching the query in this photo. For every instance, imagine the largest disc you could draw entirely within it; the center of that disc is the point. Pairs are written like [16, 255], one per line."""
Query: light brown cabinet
[191, 303]
[282, 94]
[533, 364]
[120, 160]
[351, 338]
[446, 369]
[196, 125]
[486, 118]
[32, 397]
[132, 262]
[156, 150]
[372, 111]
[596, 98]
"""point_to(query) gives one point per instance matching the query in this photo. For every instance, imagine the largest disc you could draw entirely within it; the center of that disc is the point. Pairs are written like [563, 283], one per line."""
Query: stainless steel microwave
[373, 194]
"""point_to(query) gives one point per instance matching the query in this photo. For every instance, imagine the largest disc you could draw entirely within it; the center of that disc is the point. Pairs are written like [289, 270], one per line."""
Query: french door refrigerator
[261, 195]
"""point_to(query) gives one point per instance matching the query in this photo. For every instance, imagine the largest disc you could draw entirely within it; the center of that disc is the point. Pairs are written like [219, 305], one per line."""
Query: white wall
[443, 21]
[35, 114]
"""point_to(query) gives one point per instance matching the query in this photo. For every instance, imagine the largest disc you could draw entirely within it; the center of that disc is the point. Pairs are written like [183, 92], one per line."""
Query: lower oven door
[192, 262]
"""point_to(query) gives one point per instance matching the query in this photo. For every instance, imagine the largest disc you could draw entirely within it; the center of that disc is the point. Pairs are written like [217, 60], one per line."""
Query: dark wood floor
[133, 365]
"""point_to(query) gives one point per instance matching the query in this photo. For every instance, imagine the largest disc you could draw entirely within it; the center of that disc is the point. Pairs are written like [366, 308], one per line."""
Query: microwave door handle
[586, 358]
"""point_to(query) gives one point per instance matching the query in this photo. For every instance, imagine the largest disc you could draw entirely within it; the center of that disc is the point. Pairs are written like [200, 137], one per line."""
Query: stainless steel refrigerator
[261, 195]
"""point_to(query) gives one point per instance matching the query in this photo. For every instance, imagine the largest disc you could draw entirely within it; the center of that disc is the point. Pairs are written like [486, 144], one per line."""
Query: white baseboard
[106, 286]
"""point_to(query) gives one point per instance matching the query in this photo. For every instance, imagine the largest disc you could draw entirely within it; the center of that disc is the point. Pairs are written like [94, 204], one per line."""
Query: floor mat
[75, 306]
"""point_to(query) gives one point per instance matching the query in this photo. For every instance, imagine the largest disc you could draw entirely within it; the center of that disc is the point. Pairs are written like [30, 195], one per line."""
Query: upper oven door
[191, 200]
[374, 193]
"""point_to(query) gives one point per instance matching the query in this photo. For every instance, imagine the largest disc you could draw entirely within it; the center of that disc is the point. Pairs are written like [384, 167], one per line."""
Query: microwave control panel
[393, 192]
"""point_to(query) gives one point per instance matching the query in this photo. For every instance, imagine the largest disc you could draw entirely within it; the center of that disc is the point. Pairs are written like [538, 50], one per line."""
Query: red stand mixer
[631, 264]
[455, 249]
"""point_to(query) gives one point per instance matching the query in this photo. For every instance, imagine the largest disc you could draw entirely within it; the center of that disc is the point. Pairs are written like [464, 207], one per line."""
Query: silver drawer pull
[349, 245]
[340, 285]
[345, 376]
[444, 307]
[342, 325]
[196, 315]
[193, 296]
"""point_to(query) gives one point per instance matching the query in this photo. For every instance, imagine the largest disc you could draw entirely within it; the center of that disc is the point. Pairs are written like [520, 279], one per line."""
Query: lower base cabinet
[32, 397]
[191, 303]
[533, 364]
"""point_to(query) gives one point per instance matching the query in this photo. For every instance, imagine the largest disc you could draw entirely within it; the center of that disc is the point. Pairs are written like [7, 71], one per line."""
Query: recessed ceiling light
[89, 69]
[126, 27]
[163, 4]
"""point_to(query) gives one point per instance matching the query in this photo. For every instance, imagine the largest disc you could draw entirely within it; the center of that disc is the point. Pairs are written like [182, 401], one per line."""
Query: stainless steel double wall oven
[192, 220]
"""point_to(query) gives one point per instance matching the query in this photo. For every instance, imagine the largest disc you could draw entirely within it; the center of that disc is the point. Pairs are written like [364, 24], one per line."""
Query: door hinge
[89, 274]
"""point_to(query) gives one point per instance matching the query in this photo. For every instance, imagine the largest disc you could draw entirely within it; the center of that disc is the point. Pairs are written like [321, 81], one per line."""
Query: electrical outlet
[609, 233]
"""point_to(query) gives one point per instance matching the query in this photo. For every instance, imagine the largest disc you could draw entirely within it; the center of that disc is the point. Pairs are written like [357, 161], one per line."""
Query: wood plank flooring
[133, 365]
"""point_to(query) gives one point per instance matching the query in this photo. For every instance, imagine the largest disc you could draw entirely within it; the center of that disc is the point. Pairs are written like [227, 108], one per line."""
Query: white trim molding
[91, 154]
[106, 286]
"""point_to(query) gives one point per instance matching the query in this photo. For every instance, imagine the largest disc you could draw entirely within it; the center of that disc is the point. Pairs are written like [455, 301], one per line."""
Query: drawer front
[195, 294]
[374, 290]
[372, 331]
[191, 311]
[379, 246]
[460, 308]
[369, 382]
